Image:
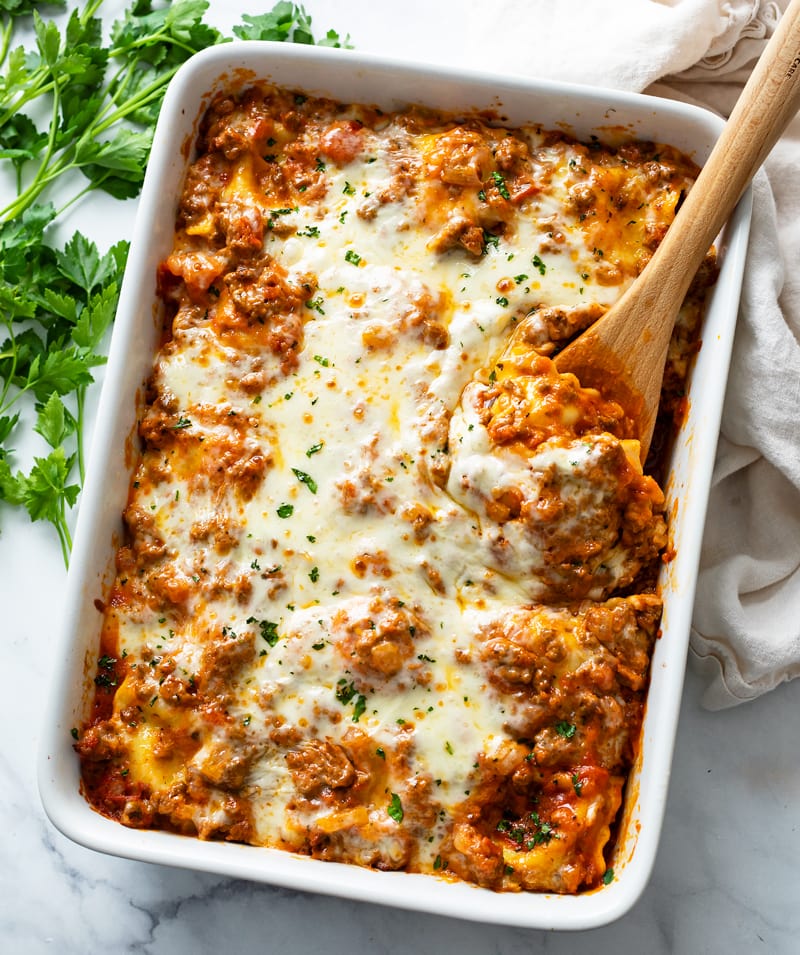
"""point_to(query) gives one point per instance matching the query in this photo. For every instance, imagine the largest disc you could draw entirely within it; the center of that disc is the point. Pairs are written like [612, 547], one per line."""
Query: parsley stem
[7, 405]
[144, 97]
[119, 84]
[89, 187]
[35, 84]
[29, 195]
[64, 537]
[65, 160]
[43, 175]
[51, 139]
[80, 395]
[90, 10]
[4, 44]
[12, 354]
[160, 36]
[34, 90]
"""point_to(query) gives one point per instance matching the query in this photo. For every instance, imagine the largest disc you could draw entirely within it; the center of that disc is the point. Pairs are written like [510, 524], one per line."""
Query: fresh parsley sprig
[101, 102]
[55, 306]
[286, 22]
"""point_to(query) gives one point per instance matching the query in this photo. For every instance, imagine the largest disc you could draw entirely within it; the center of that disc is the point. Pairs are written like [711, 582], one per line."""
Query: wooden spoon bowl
[623, 354]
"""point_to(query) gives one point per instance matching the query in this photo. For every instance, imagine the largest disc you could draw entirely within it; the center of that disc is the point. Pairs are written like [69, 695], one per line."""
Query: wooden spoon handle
[766, 106]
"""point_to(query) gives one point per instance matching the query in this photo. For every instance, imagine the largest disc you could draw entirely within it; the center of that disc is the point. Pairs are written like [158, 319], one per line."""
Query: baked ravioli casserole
[386, 590]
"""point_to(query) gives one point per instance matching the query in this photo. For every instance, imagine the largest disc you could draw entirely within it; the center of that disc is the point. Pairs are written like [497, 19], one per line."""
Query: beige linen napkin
[747, 611]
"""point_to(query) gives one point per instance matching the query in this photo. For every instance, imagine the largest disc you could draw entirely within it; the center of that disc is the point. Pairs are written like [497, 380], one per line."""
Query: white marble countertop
[726, 878]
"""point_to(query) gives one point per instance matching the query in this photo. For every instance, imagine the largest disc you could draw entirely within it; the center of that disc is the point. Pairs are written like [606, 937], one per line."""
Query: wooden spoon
[623, 354]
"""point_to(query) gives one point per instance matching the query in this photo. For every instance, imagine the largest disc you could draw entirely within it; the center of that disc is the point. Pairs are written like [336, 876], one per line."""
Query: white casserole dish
[354, 77]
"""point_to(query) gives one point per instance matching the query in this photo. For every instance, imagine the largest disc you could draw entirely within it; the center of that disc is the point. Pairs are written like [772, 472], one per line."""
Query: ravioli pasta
[385, 594]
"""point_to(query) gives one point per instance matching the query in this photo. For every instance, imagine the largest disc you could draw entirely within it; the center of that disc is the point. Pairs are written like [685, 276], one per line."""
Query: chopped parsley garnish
[314, 575]
[577, 785]
[278, 212]
[538, 264]
[306, 479]
[267, 628]
[502, 301]
[565, 729]
[500, 182]
[608, 876]
[321, 361]
[345, 691]
[285, 510]
[352, 257]
[182, 423]
[360, 706]
[519, 279]
[543, 834]
[378, 752]
[348, 189]
[528, 832]
[311, 232]
[490, 240]
[395, 808]
[315, 305]
[314, 449]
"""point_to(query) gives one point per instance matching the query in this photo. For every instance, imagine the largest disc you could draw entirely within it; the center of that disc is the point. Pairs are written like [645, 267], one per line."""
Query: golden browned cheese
[386, 590]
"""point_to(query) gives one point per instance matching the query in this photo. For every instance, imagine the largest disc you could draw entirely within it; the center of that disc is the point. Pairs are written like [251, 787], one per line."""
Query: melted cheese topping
[366, 609]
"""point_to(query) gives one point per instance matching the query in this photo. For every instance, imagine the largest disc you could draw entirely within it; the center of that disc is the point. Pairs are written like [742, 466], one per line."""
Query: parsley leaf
[395, 808]
[54, 423]
[500, 182]
[359, 707]
[268, 630]
[345, 691]
[44, 492]
[306, 479]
